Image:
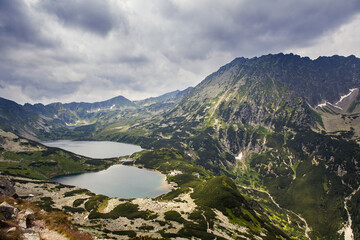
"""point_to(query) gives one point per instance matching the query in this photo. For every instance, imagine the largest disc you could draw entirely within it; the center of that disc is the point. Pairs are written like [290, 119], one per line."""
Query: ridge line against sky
[93, 50]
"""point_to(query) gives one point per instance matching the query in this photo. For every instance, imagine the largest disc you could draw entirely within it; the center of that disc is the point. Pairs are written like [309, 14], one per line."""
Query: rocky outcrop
[17, 222]
[7, 188]
[7, 211]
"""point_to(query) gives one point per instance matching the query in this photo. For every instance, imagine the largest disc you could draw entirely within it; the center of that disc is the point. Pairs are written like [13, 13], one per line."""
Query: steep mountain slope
[261, 111]
[14, 118]
[257, 121]
[267, 81]
[273, 91]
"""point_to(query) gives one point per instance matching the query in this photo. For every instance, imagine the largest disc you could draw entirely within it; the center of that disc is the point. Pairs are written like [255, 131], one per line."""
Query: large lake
[95, 149]
[116, 181]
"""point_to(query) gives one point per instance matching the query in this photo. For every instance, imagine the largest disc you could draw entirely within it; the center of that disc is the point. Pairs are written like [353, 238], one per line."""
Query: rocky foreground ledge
[103, 217]
[48, 210]
[21, 219]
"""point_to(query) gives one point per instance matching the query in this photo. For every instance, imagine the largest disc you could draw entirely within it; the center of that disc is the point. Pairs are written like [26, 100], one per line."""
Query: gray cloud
[91, 15]
[17, 26]
[251, 27]
[132, 60]
[36, 83]
[89, 50]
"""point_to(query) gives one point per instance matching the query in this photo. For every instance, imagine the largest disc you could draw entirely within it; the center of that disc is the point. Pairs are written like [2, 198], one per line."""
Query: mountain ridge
[255, 121]
[45, 118]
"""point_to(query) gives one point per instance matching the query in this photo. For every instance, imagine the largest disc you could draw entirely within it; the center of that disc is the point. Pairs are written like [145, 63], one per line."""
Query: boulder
[23, 217]
[7, 210]
[31, 236]
[7, 187]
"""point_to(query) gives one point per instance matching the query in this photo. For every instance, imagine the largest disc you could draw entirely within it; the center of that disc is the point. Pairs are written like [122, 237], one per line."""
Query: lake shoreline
[133, 180]
[111, 179]
[95, 149]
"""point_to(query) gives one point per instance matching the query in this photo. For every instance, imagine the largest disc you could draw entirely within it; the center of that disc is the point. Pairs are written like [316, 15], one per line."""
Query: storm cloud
[91, 50]
[17, 26]
[90, 15]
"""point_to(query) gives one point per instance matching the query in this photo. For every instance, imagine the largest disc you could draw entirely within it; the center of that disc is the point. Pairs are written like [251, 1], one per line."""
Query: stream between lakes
[116, 181]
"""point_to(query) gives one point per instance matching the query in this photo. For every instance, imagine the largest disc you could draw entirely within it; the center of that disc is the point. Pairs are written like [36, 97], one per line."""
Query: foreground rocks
[16, 222]
[7, 187]
[76, 212]
[23, 219]
[152, 218]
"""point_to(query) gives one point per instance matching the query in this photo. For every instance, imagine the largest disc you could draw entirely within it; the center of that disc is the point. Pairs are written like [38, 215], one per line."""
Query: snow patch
[345, 96]
[327, 103]
[322, 104]
[336, 105]
[239, 157]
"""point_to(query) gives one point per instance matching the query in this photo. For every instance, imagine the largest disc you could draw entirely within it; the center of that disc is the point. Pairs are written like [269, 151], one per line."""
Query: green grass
[318, 118]
[68, 209]
[46, 204]
[94, 202]
[78, 192]
[167, 160]
[128, 233]
[174, 216]
[47, 163]
[78, 202]
[261, 202]
[128, 210]
[219, 193]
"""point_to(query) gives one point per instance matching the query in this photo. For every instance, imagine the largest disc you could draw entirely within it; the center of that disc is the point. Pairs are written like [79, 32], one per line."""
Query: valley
[264, 148]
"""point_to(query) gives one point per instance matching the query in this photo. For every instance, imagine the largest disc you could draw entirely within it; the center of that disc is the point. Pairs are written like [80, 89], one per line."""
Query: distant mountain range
[30, 120]
[282, 123]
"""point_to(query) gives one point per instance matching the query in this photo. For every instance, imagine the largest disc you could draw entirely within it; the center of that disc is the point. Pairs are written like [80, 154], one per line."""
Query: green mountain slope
[256, 120]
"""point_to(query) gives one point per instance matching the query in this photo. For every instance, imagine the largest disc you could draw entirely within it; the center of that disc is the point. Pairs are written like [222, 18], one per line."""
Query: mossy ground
[48, 163]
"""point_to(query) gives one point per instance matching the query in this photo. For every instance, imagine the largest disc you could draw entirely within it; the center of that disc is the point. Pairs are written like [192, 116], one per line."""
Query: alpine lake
[118, 180]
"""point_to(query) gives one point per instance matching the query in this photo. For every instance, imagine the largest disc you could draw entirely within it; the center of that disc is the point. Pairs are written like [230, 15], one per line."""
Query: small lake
[95, 149]
[116, 181]
[120, 181]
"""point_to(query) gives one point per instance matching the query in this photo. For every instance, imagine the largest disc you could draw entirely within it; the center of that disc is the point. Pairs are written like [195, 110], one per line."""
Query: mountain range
[284, 124]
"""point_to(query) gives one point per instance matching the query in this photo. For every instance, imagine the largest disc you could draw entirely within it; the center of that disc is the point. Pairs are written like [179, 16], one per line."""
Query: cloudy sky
[92, 50]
